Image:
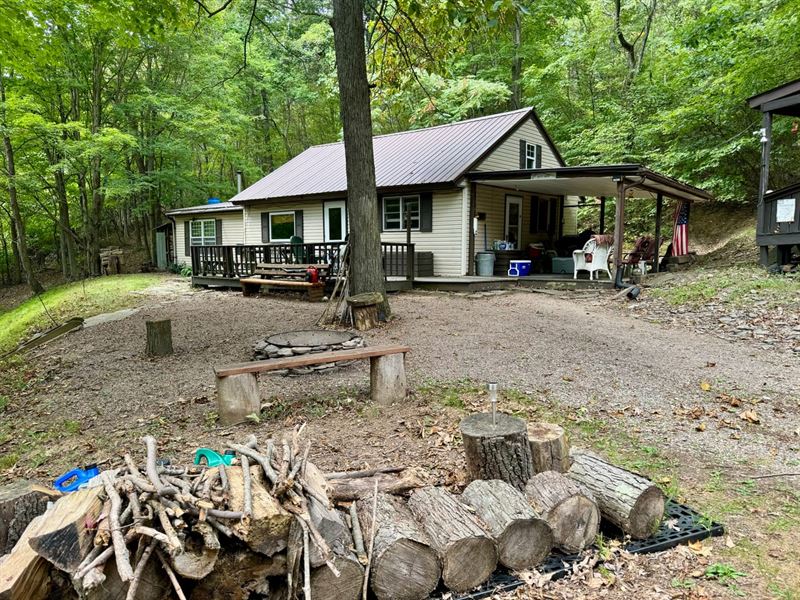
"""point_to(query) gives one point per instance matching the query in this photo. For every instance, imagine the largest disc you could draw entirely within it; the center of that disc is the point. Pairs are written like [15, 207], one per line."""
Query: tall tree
[362, 207]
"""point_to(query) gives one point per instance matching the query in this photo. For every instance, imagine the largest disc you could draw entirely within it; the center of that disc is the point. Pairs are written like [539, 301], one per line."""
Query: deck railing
[232, 262]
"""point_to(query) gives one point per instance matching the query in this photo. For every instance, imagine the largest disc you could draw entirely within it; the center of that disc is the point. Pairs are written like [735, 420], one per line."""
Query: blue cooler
[519, 268]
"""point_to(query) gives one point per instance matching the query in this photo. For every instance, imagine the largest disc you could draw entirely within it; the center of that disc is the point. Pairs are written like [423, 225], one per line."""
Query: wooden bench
[279, 275]
[237, 385]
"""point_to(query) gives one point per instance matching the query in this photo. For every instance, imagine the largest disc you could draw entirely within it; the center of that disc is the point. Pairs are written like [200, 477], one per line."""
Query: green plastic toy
[213, 459]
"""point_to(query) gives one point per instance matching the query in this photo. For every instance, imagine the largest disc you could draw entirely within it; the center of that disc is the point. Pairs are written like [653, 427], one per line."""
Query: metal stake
[492, 387]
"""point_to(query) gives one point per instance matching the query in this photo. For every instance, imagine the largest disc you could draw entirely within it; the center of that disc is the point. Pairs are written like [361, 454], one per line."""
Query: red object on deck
[312, 274]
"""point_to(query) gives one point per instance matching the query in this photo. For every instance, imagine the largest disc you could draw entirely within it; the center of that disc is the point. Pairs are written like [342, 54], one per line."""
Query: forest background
[112, 111]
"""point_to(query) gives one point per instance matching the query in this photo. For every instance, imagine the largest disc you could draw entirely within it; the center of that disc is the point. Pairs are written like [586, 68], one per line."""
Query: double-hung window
[397, 208]
[281, 226]
[203, 232]
[530, 156]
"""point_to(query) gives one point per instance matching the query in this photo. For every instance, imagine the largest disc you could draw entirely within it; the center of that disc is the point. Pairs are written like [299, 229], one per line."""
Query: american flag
[680, 237]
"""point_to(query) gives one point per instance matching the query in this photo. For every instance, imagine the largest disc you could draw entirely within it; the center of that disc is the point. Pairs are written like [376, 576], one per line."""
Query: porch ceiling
[598, 180]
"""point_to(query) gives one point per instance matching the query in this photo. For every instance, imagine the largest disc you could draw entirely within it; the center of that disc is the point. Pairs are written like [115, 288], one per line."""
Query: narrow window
[530, 156]
[397, 208]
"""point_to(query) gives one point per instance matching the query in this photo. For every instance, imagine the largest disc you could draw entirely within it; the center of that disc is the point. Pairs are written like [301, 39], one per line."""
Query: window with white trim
[395, 210]
[530, 156]
[281, 226]
[203, 232]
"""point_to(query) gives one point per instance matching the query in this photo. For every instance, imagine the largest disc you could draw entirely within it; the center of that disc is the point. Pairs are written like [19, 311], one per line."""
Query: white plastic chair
[599, 261]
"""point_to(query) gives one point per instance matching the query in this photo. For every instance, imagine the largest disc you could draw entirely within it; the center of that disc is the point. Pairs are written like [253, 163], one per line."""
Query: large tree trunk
[467, 553]
[366, 269]
[516, 63]
[404, 566]
[571, 513]
[629, 501]
[268, 162]
[16, 214]
[523, 539]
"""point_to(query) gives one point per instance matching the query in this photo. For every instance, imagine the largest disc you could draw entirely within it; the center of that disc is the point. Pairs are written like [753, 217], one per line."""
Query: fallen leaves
[750, 416]
[699, 548]
[705, 386]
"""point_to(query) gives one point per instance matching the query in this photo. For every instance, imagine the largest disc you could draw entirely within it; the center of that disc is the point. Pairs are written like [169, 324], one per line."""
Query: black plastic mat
[681, 525]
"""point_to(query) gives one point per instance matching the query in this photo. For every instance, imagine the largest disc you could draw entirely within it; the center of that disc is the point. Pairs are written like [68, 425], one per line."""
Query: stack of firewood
[272, 525]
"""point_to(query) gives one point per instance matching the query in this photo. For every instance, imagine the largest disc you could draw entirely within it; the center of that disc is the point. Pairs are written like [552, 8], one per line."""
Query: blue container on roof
[214, 201]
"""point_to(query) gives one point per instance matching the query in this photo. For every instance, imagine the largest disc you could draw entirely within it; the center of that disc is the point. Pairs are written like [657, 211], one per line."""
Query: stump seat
[237, 385]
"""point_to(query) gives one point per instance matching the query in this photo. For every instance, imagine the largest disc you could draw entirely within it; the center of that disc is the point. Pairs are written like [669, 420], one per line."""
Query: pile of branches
[263, 526]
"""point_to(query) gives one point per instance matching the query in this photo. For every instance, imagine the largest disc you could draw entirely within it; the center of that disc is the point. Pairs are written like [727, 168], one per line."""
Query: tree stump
[237, 397]
[629, 501]
[467, 553]
[387, 377]
[549, 447]
[237, 574]
[159, 337]
[404, 566]
[523, 539]
[498, 451]
[570, 511]
[365, 310]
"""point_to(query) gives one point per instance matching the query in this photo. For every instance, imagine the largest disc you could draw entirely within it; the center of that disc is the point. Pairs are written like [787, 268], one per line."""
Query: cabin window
[281, 226]
[530, 155]
[203, 232]
[395, 210]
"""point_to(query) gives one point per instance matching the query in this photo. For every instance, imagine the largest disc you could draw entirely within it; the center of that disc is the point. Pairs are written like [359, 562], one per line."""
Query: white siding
[506, 156]
[312, 219]
[446, 238]
[232, 232]
[571, 215]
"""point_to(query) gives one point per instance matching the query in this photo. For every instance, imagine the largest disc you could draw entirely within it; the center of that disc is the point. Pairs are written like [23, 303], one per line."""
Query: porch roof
[592, 180]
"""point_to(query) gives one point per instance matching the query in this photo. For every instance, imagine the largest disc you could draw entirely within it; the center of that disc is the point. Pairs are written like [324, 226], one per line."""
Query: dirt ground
[660, 399]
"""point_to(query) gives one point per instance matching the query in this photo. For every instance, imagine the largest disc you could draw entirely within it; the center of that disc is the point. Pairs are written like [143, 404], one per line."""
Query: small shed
[778, 211]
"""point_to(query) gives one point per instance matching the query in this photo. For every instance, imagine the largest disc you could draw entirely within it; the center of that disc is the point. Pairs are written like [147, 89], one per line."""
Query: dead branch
[117, 538]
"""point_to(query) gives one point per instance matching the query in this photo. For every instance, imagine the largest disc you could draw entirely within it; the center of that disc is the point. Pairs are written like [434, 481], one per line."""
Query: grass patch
[735, 286]
[81, 299]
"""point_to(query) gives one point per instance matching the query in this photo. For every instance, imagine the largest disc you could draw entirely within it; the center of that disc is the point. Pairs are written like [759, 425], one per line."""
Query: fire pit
[307, 341]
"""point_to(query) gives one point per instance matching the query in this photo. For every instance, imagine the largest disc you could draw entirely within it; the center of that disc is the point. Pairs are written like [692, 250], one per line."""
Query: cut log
[387, 376]
[267, 529]
[629, 501]
[404, 566]
[345, 489]
[468, 555]
[237, 574]
[20, 503]
[68, 534]
[523, 539]
[569, 510]
[497, 451]
[159, 337]
[198, 557]
[331, 525]
[24, 575]
[365, 310]
[326, 586]
[237, 397]
[549, 447]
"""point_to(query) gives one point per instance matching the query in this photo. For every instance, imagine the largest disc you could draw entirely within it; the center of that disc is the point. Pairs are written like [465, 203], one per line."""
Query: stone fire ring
[306, 341]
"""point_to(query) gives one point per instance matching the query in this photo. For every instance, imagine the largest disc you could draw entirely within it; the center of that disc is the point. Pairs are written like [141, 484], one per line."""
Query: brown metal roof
[434, 155]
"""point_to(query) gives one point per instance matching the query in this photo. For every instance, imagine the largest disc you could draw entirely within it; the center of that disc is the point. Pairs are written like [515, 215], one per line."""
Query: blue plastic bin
[519, 268]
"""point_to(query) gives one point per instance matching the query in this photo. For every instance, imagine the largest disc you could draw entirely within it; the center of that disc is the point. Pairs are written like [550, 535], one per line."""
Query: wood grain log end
[647, 513]
[469, 563]
[525, 544]
[412, 572]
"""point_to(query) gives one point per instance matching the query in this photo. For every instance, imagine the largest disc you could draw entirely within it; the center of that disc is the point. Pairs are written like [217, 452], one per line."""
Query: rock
[260, 346]
[285, 352]
[270, 348]
[350, 344]
[301, 350]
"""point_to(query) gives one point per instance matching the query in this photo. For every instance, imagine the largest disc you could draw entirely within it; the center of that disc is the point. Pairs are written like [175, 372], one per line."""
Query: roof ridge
[442, 125]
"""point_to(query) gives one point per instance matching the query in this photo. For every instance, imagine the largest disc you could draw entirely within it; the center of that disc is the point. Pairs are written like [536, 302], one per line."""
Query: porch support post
[659, 209]
[473, 203]
[619, 223]
[763, 184]
[602, 214]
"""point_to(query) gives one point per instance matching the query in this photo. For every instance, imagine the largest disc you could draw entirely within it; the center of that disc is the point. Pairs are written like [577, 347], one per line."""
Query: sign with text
[785, 208]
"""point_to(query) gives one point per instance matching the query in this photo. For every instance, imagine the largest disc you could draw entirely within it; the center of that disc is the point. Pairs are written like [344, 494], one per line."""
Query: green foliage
[83, 299]
[736, 286]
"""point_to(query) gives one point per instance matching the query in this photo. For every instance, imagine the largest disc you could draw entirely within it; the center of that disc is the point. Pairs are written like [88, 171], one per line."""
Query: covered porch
[568, 188]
